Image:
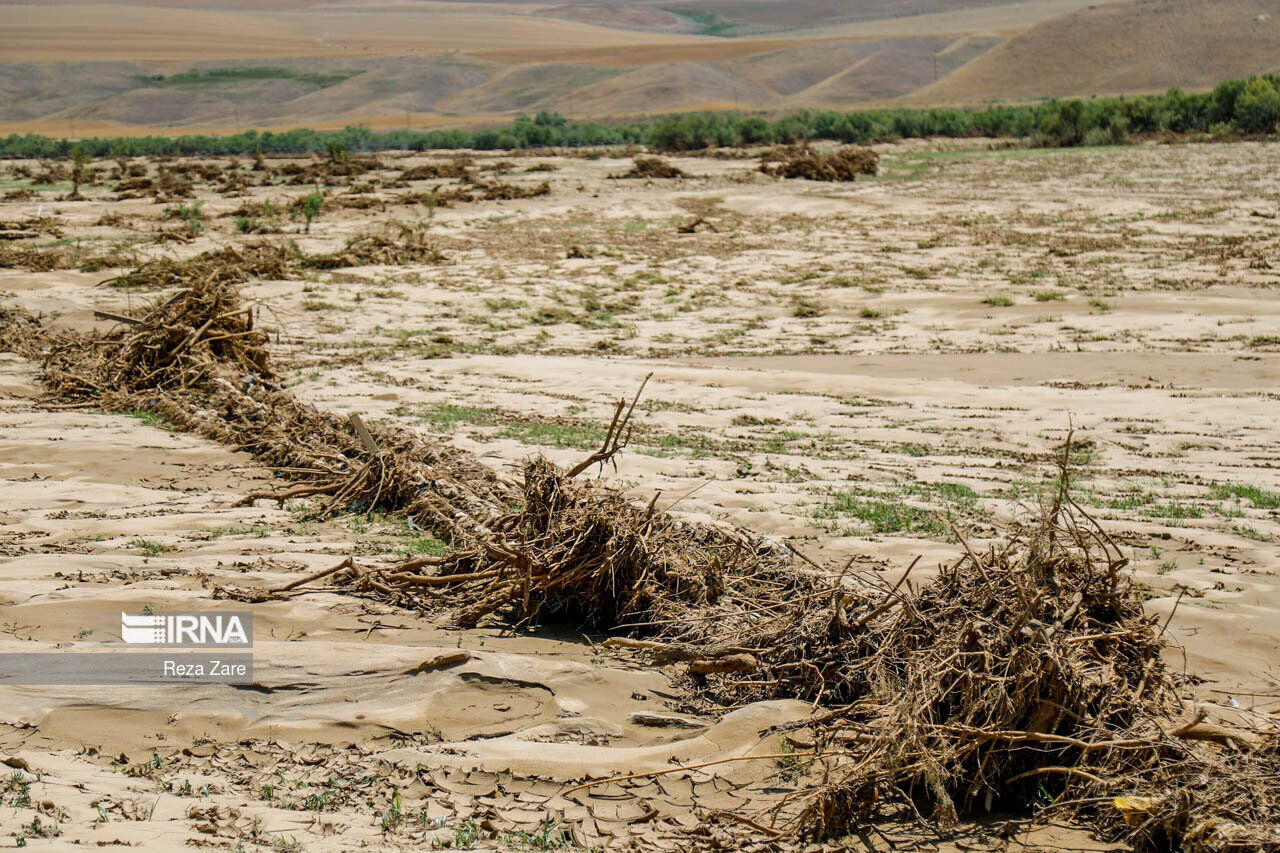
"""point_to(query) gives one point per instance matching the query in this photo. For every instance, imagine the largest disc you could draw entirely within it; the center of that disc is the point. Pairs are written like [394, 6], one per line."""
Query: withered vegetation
[845, 164]
[651, 167]
[1026, 673]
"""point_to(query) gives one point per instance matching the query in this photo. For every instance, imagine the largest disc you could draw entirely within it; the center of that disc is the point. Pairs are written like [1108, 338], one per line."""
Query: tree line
[1239, 106]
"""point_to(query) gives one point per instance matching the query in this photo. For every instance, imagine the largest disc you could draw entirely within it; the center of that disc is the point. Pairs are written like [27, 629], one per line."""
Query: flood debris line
[198, 361]
[397, 243]
[1025, 678]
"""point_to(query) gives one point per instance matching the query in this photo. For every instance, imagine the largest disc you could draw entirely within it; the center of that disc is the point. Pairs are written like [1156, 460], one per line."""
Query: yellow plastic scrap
[1135, 809]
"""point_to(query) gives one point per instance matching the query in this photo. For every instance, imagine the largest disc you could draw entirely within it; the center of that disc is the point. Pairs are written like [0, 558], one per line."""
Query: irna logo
[194, 628]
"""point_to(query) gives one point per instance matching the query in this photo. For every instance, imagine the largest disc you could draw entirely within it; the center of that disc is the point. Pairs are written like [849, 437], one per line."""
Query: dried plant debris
[73, 256]
[397, 243]
[1025, 678]
[458, 168]
[845, 164]
[229, 265]
[651, 167]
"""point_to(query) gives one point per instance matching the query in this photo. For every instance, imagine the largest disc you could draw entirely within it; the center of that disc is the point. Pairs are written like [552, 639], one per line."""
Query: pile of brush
[226, 266]
[17, 255]
[572, 554]
[651, 167]
[398, 243]
[1024, 678]
[409, 244]
[845, 164]
[200, 333]
[578, 553]
[458, 167]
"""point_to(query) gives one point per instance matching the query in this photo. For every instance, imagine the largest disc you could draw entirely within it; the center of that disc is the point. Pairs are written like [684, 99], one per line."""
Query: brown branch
[314, 576]
[616, 437]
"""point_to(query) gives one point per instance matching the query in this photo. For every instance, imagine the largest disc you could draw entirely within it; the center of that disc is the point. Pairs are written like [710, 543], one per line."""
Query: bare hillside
[1123, 47]
[220, 64]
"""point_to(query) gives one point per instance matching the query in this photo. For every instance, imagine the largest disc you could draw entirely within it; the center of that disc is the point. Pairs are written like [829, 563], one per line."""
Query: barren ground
[858, 370]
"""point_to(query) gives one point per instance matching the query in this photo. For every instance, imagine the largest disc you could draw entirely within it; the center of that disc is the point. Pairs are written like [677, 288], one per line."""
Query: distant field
[129, 32]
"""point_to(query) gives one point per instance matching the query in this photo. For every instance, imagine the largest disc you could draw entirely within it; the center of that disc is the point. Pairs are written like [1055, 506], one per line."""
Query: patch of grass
[310, 304]
[1149, 505]
[790, 764]
[1049, 295]
[1265, 341]
[576, 436]
[423, 545]
[150, 547]
[260, 531]
[19, 787]
[909, 449]
[250, 225]
[802, 306]
[394, 814]
[446, 416]
[882, 516]
[1250, 532]
[198, 78]
[192, 214]
[998, 301]
[504, 303]
[466, 836]
[152, 419]
[552, 315]
[286, 845]
[868, 401]
[550, 836]
[695, 444]
[958, 494]
[1256, 495]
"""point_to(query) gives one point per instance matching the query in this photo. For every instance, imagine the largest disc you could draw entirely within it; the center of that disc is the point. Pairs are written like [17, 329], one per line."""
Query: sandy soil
[851, 369]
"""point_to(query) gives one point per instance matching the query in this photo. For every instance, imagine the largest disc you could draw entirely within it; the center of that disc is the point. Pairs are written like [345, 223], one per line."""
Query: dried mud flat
[853, 371]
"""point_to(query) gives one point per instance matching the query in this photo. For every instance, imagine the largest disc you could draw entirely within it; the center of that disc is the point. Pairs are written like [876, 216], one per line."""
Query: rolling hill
[173, 65]
[1123, 48]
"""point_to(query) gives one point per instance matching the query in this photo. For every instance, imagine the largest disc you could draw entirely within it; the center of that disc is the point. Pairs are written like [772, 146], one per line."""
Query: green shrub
[308, 207]
[1257, 109]
[1251, 106]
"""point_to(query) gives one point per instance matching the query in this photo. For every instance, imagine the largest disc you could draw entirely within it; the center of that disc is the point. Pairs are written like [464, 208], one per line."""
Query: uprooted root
[1025, 674]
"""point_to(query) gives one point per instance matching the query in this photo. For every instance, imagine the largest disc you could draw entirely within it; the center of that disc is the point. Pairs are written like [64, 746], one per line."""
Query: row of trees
[1249, 106]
